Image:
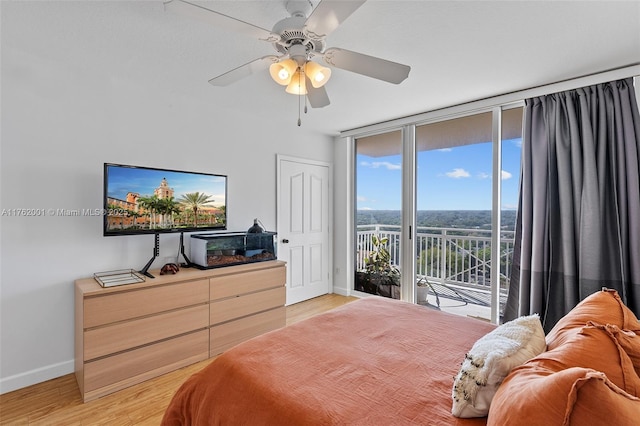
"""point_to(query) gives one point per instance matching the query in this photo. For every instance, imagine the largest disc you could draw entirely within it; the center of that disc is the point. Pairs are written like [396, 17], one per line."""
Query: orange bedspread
[374, 361]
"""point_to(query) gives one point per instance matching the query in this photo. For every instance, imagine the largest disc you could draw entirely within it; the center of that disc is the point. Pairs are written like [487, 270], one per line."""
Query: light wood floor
[58, 402]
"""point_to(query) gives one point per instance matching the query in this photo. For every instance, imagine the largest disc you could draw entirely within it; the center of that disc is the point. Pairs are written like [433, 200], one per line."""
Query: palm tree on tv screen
[134, 215]
[150, 204]
[195, 201]
[166, 208]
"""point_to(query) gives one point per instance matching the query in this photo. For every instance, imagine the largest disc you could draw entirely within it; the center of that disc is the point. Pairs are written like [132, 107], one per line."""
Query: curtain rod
[632, 70]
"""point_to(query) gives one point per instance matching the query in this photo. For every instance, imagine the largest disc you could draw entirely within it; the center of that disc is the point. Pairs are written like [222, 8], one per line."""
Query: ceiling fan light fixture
[297, 86]
[318, 75]
[298, 39]
[282, 72]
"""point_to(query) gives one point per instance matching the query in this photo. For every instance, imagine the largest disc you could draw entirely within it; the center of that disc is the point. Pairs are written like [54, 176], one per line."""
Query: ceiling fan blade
[318, 97]
[371, 66]
[220, 20]
[253, 67]
[328, 15]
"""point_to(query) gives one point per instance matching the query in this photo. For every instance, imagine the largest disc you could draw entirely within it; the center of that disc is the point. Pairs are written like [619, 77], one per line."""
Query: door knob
[285, 241]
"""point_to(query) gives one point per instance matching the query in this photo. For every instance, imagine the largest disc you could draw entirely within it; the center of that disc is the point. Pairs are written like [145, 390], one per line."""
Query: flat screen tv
[145, 200]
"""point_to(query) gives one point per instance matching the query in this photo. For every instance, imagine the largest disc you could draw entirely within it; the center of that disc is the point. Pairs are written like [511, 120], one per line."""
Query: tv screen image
[145, 200]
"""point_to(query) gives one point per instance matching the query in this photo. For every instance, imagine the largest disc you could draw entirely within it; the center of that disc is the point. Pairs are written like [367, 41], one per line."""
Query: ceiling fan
[298, 40]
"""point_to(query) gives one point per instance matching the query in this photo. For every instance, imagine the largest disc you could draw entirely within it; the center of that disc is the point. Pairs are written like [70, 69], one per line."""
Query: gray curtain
[578, 223]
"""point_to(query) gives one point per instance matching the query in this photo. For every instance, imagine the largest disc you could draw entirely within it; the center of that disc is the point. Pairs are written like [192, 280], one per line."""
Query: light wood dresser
[128, 334]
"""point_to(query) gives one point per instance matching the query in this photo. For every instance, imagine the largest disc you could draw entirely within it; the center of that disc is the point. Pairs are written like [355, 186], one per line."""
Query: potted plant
[422, 291]
[379, 275]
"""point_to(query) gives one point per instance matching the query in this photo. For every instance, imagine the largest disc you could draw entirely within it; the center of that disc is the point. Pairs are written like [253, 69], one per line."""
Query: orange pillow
[602, 307]
[628, 340]
[590, 373]
[533, 395]
[593, 347]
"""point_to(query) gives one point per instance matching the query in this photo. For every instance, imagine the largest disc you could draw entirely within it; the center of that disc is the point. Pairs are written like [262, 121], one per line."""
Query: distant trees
[468, 219]
[430, 262]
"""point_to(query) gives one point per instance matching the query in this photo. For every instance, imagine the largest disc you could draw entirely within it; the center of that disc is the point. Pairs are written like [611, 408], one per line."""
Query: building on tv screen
[148, 200]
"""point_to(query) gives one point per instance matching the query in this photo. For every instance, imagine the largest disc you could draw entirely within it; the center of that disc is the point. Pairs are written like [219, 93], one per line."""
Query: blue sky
[448, 179]
[145, 181]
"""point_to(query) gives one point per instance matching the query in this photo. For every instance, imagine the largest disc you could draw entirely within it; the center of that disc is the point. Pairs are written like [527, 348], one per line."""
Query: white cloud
[444, 149]
[458, 173]
[504, 175]
[384, 164]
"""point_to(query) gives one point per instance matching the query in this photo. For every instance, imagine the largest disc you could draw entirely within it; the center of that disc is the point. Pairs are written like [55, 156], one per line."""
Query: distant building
[133, 214]
[163, 191]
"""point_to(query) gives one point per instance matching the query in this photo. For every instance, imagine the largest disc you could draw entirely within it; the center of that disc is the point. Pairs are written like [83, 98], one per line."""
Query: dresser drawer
[127, 335]
[109, 308]
[241, 306]
[229, 334]
[125, 369]
[236, 284]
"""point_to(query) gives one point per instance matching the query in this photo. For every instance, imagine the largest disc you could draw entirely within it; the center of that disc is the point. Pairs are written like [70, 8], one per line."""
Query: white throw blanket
[491, 359]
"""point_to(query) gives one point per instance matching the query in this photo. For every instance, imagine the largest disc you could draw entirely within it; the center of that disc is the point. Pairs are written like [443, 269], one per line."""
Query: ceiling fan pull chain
[299, 120]
[301, 94]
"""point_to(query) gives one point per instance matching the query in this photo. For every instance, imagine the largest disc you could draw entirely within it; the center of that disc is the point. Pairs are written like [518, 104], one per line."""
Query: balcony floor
[457, 299]
[460, 308]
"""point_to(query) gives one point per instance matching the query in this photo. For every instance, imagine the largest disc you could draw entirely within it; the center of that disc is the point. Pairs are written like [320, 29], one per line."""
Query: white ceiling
[459, 51]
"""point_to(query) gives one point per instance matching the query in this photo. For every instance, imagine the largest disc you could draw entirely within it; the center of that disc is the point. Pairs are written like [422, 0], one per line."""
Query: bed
[375, 361]
[381, 361]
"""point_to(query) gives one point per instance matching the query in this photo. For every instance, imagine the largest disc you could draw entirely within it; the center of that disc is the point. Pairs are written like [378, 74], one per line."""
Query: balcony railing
[453, 257]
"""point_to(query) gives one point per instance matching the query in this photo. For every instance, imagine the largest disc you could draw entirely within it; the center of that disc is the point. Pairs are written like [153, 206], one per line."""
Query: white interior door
[303, 226]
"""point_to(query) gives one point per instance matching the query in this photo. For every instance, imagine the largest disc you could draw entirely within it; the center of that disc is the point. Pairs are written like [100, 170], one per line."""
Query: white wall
[66, 109]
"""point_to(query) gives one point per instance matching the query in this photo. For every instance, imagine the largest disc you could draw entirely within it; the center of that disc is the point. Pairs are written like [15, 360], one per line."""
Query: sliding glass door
[453, 218]
[378, 214]
[462, 197]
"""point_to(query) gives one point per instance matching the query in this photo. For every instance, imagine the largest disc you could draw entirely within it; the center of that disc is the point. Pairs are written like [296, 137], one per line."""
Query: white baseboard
[342, 291]
[39, 375]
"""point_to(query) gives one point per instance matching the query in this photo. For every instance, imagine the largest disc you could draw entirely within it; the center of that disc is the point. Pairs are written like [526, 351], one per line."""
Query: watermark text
[59, 212]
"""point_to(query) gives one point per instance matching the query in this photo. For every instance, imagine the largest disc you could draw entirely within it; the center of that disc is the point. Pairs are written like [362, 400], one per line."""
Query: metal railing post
[443, 257]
